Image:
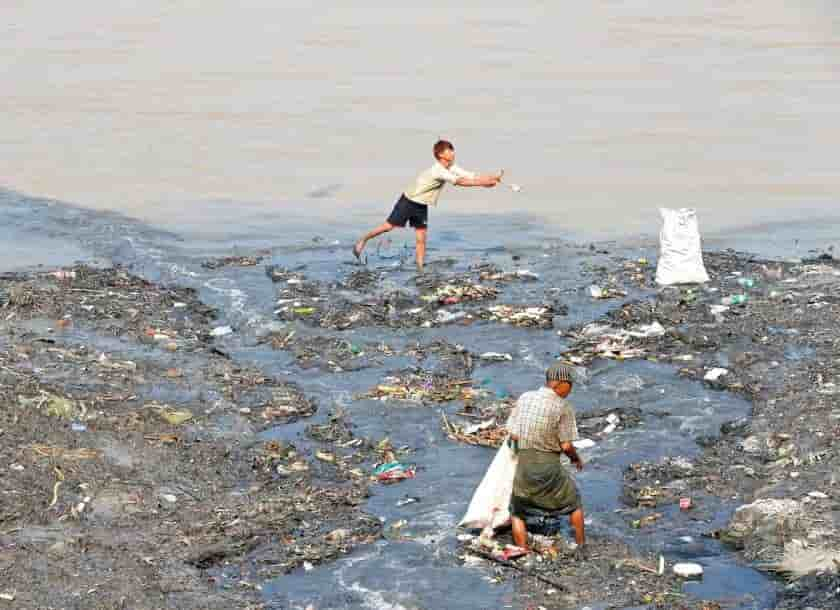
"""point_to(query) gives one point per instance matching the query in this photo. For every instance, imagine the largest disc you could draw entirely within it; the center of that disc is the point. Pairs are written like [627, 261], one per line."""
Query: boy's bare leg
[360, 245]
[520, 533]
[576, 521]
[421, 247]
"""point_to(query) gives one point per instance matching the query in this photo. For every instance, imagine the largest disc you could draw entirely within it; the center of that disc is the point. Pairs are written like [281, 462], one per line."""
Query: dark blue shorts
[411, 212]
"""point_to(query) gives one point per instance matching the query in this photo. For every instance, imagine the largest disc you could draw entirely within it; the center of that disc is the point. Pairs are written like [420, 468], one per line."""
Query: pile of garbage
[605, 292]
[602, 422]
[522, 316]
[422, 387]
[598, 340]
[491, 273]
[330, 353]
[443, 358]
[233, 261]
[649, 485]
[113, 302]
[485, 432]
[452, 294]
[360, 280]
[273, 400]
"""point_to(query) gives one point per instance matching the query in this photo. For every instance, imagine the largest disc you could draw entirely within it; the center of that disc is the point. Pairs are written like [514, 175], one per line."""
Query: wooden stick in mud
[446, 423]
[525, 571]
[60, 477]
[640, 566]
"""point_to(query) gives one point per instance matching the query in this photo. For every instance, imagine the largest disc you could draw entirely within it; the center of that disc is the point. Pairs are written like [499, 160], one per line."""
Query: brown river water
[601, 111]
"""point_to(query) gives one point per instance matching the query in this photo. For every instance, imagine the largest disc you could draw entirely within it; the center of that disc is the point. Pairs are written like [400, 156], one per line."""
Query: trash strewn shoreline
[135, 468]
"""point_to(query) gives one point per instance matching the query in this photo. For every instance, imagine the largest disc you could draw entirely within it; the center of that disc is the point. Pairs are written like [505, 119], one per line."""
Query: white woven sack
[680, 256]
[490, 505]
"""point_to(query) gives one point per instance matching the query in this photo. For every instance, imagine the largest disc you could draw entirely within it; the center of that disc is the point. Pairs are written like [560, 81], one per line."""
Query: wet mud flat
[133, 471]
[146, 463]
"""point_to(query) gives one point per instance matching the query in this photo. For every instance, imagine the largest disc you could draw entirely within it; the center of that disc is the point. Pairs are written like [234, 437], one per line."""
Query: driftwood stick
[525, 571]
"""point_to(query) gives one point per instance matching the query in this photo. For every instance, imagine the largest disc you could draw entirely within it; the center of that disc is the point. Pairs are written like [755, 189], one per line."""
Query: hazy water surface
[600, 110]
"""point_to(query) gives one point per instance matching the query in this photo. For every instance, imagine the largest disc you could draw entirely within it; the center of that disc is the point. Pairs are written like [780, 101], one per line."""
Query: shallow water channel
[421, 568]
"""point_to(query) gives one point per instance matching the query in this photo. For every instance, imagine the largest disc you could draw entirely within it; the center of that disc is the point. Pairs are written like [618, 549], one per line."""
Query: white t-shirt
[427, 186]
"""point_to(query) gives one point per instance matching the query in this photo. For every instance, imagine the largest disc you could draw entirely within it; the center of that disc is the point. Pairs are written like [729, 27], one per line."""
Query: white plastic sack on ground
[490, 505]
[680, 258]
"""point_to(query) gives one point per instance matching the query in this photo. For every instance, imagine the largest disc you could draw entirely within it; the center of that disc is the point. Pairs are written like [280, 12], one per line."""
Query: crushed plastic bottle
[735, 299]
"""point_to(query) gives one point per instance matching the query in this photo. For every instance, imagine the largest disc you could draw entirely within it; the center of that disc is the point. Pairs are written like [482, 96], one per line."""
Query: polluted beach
[339, 307]
[282, 428]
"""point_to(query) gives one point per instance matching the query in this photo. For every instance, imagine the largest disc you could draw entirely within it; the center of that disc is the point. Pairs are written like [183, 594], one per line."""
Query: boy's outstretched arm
[488, 180]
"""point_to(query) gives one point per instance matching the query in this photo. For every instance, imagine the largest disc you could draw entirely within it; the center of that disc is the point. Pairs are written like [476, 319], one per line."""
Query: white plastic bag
[490, 505]
[680, 258]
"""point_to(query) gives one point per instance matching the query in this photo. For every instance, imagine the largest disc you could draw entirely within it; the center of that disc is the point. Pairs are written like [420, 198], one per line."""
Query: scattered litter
[685, 503]
[424, 388]
[540, 317]
[480, 426]
[688, 570]
[735, 299]
[645, 521]
[221, 331]
[583, 443]
[654, 329]
[338, 536]
[496, 357]
[232, 261]
[169, 498]
[64, 275]
[597, 292]
[408, 500]
[818, 495]
[508, 276]
[452, 294]
[715, 374]
[324, 456]
[64, 408]
[175, 417]
[393, 472]
[447, 317]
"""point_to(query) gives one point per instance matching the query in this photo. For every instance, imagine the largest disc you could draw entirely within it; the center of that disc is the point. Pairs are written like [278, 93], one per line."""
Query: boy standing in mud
[413, 205]
[542, 428]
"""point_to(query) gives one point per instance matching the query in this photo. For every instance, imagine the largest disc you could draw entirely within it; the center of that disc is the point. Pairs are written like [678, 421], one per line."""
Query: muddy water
[421, 570]
[253, 110]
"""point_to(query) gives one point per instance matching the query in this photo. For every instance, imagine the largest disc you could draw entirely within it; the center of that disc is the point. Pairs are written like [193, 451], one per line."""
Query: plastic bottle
[735, 299]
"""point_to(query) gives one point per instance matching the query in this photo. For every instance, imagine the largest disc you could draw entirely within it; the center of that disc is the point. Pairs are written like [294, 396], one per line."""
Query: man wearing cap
[542, 427]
